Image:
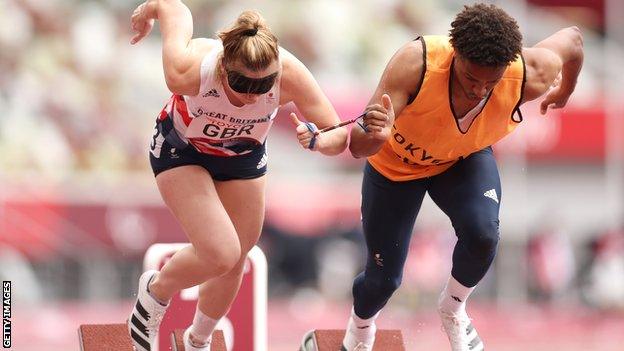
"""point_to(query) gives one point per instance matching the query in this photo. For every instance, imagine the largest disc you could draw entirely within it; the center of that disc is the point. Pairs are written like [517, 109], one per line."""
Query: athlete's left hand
[141, 21]
[555, 98]
[304, 134]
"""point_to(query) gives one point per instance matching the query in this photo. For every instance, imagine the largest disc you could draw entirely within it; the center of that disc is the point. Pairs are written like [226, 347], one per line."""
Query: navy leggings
[468, 192]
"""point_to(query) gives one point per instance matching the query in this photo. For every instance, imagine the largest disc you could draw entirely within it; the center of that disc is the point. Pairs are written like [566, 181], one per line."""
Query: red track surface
[53, 327]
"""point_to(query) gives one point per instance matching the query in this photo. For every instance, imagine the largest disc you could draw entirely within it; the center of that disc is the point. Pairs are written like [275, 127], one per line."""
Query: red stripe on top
[180, 106]
[163, 115]
[206, 148]
[165, 111]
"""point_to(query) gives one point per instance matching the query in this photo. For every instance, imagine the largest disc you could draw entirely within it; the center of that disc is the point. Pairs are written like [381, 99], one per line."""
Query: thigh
[389, 210]
[192, 197]
[469, 189]
[243, 199]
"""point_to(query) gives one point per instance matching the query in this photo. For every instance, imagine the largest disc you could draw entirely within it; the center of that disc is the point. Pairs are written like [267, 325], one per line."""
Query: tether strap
[312, 128]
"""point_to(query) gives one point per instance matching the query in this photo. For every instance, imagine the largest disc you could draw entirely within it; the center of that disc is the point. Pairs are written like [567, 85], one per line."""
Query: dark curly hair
[486, 35]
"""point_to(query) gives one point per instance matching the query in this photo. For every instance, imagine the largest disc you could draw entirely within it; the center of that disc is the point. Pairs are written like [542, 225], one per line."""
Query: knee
[222, 259]
[480, 237]
[383, 286]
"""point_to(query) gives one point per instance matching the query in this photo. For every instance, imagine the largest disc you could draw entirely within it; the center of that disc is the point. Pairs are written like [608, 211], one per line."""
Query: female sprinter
[209, 158]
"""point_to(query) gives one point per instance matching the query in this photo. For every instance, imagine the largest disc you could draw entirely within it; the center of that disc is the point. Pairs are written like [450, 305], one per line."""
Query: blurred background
[78, 204]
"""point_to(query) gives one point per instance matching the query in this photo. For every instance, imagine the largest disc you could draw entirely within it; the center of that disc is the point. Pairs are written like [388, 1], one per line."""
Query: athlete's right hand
[378, 119]
[142, 20]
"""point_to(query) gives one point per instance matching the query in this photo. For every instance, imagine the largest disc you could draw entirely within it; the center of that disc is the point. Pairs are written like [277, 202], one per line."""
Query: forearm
[568, 45]
[333, 142]
[363, 144]
[570, 72]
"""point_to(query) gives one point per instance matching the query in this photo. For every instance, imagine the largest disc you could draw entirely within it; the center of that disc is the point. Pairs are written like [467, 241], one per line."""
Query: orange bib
[426, 139]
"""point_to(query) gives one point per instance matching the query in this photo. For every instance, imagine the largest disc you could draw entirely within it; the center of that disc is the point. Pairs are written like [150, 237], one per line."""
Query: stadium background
[78, 204]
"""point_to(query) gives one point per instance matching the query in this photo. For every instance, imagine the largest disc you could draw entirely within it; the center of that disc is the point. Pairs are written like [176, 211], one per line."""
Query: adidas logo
[263, 161]
[211, 92]
[491, 194]
[138, 331]
[456, 298]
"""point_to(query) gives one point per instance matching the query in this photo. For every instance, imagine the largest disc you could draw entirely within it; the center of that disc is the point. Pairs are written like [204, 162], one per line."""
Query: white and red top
[210, 123]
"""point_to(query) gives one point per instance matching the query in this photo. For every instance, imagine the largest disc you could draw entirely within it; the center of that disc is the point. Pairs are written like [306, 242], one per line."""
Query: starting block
[331, 340]
[244, 328]
[104, 337]
[115, 337]
[217, 344]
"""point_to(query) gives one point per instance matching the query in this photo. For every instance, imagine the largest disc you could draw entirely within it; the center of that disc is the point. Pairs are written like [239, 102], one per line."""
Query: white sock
[453, 297]
[202, 327]
[362, 323]
[359, 330]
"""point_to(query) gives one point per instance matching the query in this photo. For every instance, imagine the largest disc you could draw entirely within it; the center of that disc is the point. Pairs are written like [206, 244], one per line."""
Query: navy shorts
[167, 153]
